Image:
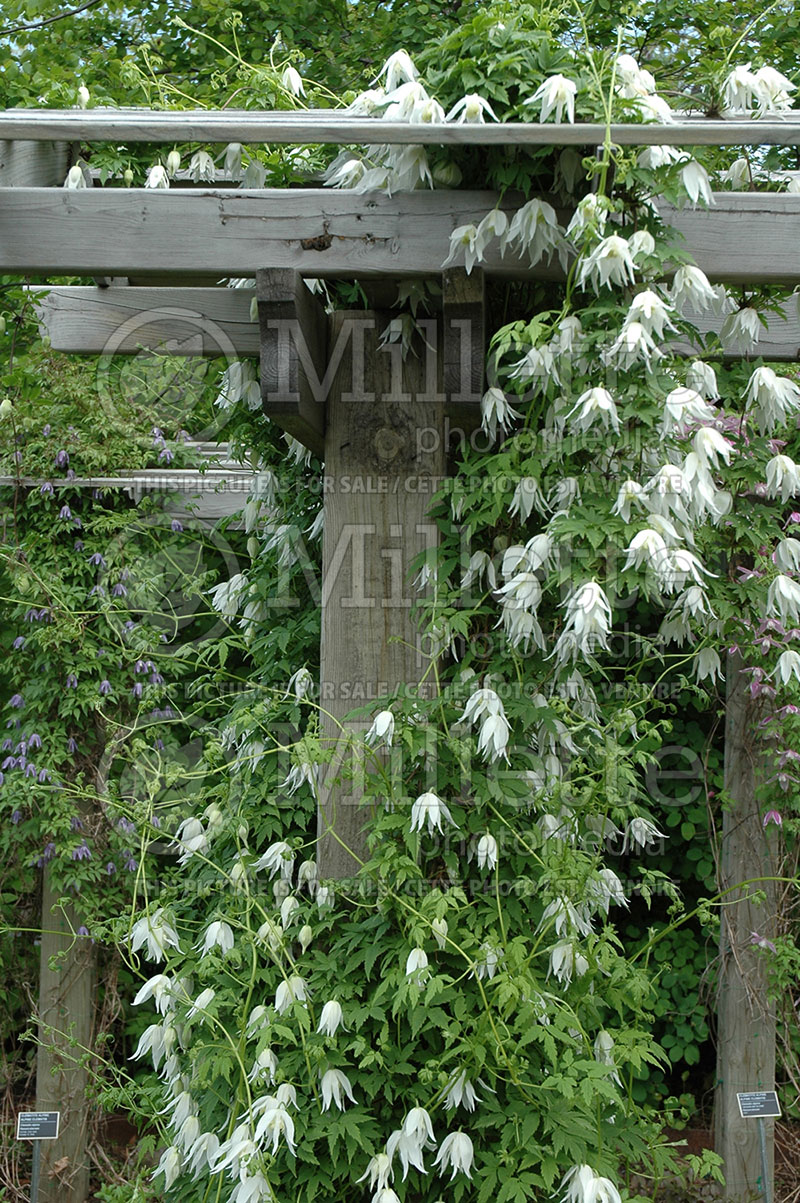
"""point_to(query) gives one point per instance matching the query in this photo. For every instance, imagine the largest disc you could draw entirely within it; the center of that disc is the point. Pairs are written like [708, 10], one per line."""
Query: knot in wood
[387, 443]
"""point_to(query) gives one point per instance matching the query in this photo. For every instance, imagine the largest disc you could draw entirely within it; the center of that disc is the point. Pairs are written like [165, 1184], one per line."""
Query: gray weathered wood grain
[205, 321]
[336, 126]
[745, 237]
[745, 1011]
[122, 320]
[33, 164]
[380, 476]
[294, 356]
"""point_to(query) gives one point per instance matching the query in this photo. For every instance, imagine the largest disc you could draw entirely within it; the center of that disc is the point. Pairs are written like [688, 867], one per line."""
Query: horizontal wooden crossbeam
[340, 127]
[745, 237]
[119, 320]
[217, 322]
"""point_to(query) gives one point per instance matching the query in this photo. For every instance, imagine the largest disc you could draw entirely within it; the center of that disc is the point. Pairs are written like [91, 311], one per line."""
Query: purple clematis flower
[105, 688]
[62, 459]
[98, 559]
[71, 681]
[17, 701]
[65, 512]
[82, 852]
[48, 852]
[18, 643]
[46, 489]
[71, 745]
[772, 816]
[176, 525]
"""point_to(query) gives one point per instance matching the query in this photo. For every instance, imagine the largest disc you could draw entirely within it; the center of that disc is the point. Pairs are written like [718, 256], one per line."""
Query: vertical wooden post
[745, 1017]
[66, 1019]
[379, 421]
[384, 458]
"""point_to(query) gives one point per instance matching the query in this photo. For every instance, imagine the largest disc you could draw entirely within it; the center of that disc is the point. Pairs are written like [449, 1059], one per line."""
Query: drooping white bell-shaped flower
[456, 1153]
[555, 95]
[330, 1019]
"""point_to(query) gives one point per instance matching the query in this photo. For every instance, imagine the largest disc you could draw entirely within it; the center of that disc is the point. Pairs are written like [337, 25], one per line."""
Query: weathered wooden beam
[338, 126]
[745, 237]
[65, 1043]
[745, 1011]
[384, 458]
[206, 321]
[294, 356]
[33, 164]
[464, 344]
[121, 320]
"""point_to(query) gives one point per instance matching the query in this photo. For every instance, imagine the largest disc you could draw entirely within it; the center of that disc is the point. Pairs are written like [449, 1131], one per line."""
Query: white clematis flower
[774, 397]
[335, 1087]
[331, 1018]
[157, 933]
[691, 288]
[534, 228]
[277, 858]
[455, 1152]
[566, 960]
[741, 331]
[783, 478]
[382, 729]
[218, 935]
[293, 990]
[157, 177]
[470, 110]
[583, 1185]
[630, 493]
[556, 95]
[429, 808]
[788, 666]
[740, 90]
[595, 405]
[783, 600]
[694, 178]
[651, 312]
[487, 852]
[398, 69]
[292, 81]
[496, 413]
[379, 1172]
[417, 965]
[609, 263]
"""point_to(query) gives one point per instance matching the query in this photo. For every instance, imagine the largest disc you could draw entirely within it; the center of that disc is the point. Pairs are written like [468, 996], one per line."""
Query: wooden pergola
[159, 257]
